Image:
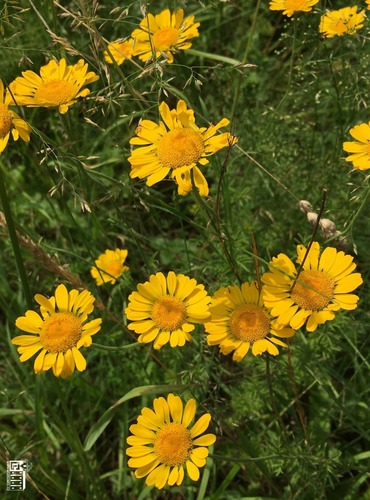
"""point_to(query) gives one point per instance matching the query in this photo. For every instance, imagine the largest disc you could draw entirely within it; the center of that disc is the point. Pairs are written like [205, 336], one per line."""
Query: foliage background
[295, 426]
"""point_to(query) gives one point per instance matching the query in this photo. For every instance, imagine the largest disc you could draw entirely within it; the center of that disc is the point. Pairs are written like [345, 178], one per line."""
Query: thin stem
[323, 200]
[216, 224]
[246, 54]
[14, 241]
[272, 397]
[298, 407]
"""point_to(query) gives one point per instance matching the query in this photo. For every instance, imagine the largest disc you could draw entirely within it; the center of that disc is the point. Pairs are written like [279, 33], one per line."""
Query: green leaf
[97, 429]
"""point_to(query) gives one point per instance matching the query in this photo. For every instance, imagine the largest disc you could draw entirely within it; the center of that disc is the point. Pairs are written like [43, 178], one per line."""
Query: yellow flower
[59, 332]
[120, 51]
[164, 309]
[322, 287]
[176, 145]
[291, 6]
[240, 319]
[109, 266]
[360, 148]
[162, 444]
[164, 34]
[58, 85]
[346, 21]
[10, 122]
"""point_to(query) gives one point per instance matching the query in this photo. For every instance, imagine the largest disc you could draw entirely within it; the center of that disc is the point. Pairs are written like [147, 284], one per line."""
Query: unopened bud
[312, 217]
[305, 206]
[342, 241]
[327, 226]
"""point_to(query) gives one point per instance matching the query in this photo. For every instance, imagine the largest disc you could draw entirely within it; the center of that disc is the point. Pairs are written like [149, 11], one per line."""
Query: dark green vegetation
[293, 427]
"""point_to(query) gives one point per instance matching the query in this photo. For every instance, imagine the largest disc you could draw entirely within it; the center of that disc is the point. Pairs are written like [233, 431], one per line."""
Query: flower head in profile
[346, 21]
[360, 148]
[109, 266]
[10, 122]
[323, 286]
[289, 7]
[57, 86]
[164, 34]
[240, 320]
[176, 145]
[162, 445]
[59, 331]
[119, 51]
[164, 309]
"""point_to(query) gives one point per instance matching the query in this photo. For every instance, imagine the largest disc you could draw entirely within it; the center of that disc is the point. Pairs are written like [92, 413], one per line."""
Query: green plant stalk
[273, 400]
[246, 54]
[14, 241]
[216, 224]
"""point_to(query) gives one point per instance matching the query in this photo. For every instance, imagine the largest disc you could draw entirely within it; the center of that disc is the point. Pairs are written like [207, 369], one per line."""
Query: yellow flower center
[173, 444]
[56, 92]
[313, 291]
[180, 147]
[249, 323]
[169, 313]
[60, 332]
[113, 268]
[165, 38]
[6, 121]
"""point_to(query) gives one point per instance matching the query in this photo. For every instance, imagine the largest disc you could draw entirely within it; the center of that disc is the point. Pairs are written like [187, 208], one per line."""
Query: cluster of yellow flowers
[346, 21]
[160, 35]
[254, 316]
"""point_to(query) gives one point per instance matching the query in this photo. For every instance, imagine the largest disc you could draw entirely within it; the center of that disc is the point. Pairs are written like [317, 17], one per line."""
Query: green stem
[246, 54]
[14, 241]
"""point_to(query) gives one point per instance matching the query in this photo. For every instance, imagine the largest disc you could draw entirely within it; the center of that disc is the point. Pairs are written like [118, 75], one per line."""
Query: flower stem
[246, 54]
[14, 241]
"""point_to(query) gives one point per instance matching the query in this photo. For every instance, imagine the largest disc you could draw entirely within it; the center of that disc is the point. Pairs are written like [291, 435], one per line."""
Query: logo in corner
[16, 471]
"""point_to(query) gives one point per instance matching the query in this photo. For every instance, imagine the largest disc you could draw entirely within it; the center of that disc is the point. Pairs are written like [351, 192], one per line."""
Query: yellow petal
[193, 470]
[348, 284]
[28, 352]
[25, 340]
[205, 440]
[176, 407]
[189, 412]
[201, 425]
[58, 366]
[39, 362]
[79, 359]
[174, 475]
[62, 297]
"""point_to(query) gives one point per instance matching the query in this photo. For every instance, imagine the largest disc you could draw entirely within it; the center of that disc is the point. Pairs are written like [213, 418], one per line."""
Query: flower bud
[312, 217]
[305, 206]
[327, 226]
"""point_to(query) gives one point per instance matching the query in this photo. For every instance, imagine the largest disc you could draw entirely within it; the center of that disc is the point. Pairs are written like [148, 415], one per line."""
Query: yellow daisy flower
[322, 287]
[360, 148]
[59, 332]
[176, 145]
[164, 34]
[109, 266]
[10, 122]
[289, 7]
[164, 309]
[120, 51]
[346, 21]
[240, 319]
[161, 443]
[58, 85]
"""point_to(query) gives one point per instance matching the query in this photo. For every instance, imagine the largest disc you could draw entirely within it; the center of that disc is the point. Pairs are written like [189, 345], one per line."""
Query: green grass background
[291, 427]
